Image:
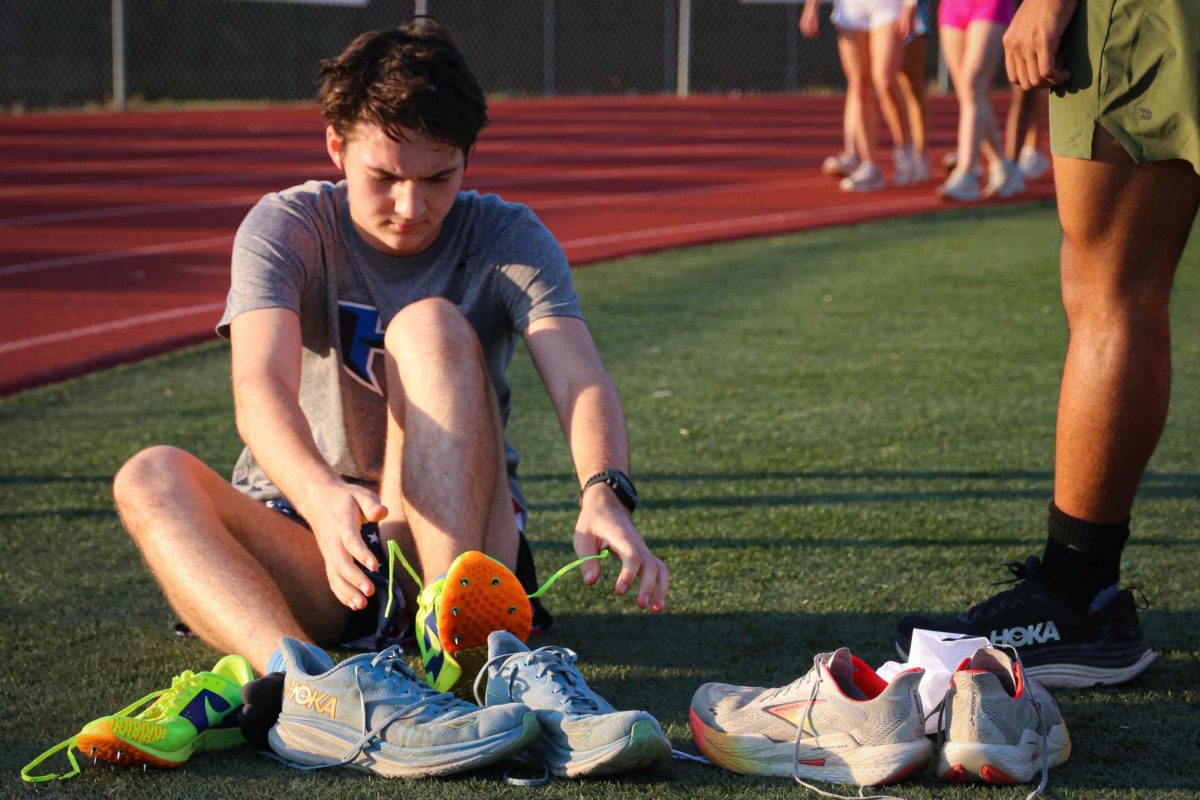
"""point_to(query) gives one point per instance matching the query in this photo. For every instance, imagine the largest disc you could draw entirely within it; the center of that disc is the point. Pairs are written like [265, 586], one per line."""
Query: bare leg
[977, 54]
[239, 574]
[885, 64]
[1021, 118]
[912, 86]
[1124, 229]
[444, 460]
[853, 47]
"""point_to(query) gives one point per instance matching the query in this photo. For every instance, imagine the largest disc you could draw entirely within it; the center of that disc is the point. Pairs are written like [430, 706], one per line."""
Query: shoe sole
[754, 754]
[1002, 765]
[311, 746]
[1065, 674]
[107, 745]
[644, 747]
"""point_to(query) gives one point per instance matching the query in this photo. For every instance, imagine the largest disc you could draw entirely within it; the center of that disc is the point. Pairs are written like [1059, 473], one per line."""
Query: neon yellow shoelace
[394, 553]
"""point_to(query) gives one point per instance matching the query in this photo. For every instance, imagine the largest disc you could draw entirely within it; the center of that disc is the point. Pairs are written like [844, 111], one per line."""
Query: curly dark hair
[413, 77]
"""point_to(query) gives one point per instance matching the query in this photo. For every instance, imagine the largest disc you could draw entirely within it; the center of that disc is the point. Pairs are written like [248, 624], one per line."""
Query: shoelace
[394, 552]
[816, 684]
[394, 667]
[558, 662]
[164, 702]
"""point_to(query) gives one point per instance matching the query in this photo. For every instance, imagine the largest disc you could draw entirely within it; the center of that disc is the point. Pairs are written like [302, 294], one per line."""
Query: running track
[115, 229]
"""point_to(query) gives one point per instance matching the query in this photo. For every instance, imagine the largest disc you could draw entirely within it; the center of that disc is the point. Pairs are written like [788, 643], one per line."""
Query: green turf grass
[830, 430]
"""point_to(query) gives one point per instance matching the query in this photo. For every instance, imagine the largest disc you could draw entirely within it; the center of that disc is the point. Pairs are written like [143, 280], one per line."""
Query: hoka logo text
[313, 699]
[1022, 635]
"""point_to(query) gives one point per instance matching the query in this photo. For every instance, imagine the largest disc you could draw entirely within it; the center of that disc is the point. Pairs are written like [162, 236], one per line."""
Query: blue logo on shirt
[362, 338]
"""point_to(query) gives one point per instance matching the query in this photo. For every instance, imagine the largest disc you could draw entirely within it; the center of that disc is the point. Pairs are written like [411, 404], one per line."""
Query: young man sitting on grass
[371, 322]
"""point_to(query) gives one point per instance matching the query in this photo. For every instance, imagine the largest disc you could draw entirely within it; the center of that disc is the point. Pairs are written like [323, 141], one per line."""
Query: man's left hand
[605, 523]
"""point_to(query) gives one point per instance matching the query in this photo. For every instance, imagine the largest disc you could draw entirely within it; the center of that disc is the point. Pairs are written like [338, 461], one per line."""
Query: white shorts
[865, 15]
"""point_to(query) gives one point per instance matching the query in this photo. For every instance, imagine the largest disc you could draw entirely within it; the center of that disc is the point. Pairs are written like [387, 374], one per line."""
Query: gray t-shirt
[298, 249]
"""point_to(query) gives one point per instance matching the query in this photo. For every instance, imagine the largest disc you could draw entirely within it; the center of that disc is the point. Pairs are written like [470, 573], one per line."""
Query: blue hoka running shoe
[582, 734]
[372, 714]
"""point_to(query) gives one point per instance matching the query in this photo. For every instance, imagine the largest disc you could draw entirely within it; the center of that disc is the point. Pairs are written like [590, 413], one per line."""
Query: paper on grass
[939, 654]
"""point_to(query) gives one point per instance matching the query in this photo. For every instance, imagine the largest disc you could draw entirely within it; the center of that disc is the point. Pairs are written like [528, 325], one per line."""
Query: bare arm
[266, 388]
[809, 21]
[593, 423]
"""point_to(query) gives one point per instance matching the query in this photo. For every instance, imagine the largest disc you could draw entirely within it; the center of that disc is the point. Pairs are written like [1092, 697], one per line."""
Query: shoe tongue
[503, 643]
[304, 658]
[841, 666]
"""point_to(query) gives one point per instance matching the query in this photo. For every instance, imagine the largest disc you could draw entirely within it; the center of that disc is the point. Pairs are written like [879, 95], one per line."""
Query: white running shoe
[370, 713]
[999, 726]
[961, 187]
[840, 165]
[902, 165]
[582, 734]
[839, 723]
[921, 170]
[866, 178]
[1034, 163]
[1004, 179]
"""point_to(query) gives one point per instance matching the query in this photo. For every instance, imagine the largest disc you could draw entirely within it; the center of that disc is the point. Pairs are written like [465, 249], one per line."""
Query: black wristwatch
[619, 482]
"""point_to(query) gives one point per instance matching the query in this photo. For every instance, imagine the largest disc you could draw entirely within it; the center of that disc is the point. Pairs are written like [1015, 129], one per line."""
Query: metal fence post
[548, 44]
[684, 52]
[120, 98]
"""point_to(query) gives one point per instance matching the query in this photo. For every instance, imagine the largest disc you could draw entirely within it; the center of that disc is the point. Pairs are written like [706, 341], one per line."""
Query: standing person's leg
[1124, 229]
[1020, 113]
[239, 574]
[854, 50]
[886, 47]
[962, 184]
[982, 55]
[843, 163]
[912, 87]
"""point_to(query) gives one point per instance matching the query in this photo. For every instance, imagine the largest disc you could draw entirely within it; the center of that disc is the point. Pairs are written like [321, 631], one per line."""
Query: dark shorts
[1135, 71]
[370, 629]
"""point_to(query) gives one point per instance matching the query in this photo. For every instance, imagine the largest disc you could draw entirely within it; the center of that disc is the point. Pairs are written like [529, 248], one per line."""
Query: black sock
[1082, 557]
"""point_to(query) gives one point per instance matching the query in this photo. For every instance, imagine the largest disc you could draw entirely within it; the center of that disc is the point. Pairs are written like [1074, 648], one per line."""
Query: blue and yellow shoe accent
[457, 612]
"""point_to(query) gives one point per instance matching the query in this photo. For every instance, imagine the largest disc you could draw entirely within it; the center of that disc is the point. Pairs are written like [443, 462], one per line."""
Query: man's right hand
[1031, 43]
[336, 513]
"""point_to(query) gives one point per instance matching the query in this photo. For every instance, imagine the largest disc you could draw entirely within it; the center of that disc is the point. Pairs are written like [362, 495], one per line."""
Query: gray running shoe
[370, 713]
[582, 734]
[839, 723]
[1004, 179]
[999, 726]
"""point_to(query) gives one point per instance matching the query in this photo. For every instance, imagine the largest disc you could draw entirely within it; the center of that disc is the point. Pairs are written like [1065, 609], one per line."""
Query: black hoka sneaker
[1059, 646]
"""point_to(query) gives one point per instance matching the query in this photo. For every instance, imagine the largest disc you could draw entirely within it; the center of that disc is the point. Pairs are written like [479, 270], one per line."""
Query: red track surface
[115, 229]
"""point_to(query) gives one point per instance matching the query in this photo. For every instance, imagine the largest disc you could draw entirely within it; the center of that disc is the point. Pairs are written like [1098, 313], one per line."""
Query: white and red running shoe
[839, 723]
[999, 726]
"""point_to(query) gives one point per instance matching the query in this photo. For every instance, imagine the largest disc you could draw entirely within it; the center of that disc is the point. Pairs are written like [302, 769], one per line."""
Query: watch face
[624, 486]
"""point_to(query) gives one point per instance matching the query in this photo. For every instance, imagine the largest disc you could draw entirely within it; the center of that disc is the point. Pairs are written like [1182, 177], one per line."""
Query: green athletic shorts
[1135, 70]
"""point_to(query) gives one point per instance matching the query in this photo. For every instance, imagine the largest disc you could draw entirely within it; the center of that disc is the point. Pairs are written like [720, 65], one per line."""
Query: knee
[433, 328]
[155, 472]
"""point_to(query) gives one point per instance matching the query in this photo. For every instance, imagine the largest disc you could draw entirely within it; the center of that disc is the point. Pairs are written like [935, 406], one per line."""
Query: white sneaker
[840, 165]
[866, 178]
[1004, 179]
[921, 170]
[839, 723]
[902, 165]
[999, 726]
[1034, 163]
[961, 187]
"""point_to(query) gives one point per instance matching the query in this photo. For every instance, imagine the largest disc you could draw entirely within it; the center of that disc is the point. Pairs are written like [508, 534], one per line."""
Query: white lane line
[133, 252]
[108, 327]
[120, 211]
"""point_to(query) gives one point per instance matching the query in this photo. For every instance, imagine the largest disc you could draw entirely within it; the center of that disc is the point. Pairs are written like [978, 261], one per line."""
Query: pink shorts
[961, 13]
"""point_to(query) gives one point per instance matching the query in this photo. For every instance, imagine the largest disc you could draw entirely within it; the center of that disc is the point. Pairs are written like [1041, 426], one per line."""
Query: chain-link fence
[71, 53]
